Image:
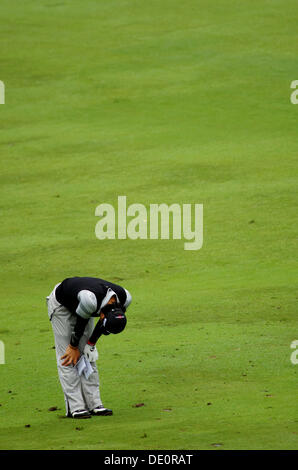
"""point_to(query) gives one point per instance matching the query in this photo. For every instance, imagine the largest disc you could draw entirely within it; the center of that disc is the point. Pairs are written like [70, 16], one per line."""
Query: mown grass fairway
[164, 102]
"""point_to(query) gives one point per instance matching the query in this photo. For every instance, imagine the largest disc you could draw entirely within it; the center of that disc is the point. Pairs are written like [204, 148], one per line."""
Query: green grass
[164, 102]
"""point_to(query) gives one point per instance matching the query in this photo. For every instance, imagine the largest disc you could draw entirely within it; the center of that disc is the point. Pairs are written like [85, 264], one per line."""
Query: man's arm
[97, 332]
[72, 353]
[87, 306]
[78, 331]
[128, 299]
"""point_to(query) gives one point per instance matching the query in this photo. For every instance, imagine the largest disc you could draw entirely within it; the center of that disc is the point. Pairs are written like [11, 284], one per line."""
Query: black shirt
[67, 294]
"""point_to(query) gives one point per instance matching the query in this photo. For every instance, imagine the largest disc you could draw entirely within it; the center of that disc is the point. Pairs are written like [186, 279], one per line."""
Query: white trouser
[79, 393]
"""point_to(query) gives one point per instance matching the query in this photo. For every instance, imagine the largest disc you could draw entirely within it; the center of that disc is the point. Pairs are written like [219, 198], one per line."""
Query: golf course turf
[163, 102]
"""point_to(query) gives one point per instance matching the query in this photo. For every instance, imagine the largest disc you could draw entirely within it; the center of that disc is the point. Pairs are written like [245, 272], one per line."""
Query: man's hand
[90, 352]
[71, 356]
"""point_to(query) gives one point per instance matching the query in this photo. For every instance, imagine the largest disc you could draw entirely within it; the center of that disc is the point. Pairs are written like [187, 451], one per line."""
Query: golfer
[72, 306]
